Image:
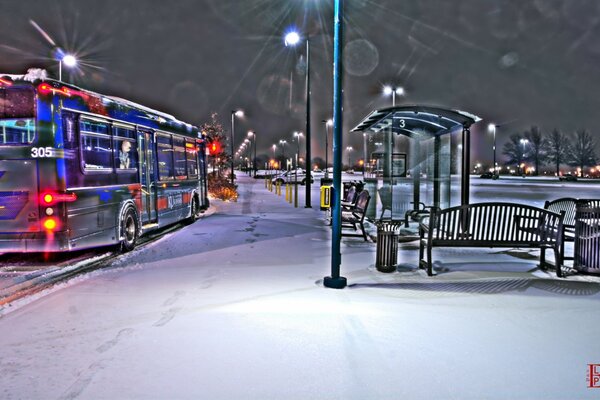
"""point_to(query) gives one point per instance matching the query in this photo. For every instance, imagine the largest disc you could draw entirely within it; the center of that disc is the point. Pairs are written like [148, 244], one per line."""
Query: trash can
[388, 233]
[325, 197]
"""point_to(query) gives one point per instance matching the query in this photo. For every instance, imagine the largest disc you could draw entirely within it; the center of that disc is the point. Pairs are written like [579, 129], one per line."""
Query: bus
[79, 169]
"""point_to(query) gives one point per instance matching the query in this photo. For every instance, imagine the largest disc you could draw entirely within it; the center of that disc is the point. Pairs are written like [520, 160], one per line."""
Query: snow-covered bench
[568, 205]
[491, 225]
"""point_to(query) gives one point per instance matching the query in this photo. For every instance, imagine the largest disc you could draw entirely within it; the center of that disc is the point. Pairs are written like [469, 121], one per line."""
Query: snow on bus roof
[32, 75]
[143, 108]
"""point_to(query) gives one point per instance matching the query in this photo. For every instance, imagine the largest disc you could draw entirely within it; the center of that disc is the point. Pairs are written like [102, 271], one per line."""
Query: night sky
[514, 63]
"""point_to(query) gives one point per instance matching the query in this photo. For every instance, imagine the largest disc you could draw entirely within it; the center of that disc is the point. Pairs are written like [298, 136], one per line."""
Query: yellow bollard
[278, 189]
[290, 198]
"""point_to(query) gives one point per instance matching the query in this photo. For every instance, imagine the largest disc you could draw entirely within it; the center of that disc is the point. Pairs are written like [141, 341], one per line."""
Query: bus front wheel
[129, 230]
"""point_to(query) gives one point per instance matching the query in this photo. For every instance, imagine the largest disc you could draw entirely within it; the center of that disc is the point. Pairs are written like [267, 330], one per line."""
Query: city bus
[79, 169]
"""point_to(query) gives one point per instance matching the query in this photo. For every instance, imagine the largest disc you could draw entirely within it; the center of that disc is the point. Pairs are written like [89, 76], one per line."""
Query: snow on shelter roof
[435, 120]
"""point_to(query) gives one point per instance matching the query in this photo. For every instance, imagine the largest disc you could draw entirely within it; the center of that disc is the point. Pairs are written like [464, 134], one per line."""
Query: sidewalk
[232, 307]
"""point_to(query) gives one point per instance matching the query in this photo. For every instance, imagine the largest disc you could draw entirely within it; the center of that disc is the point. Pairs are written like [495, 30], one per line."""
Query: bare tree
[514, 151]
[537, 147]
[558, 149]
[583, 152]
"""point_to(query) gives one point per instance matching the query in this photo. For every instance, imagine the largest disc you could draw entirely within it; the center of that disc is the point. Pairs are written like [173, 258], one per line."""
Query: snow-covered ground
[232, 307]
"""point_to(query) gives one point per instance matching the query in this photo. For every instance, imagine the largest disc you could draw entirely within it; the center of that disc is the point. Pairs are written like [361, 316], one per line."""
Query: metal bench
[587, 239]
[491, 225]
[568, 205]
[355, 217]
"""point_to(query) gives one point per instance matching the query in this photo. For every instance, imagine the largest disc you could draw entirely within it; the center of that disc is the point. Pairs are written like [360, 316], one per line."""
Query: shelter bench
[354, 217]
[491, 225]
[569, 206]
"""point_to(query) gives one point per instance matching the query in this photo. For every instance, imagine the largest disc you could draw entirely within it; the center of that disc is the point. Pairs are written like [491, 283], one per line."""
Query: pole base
[335, 283]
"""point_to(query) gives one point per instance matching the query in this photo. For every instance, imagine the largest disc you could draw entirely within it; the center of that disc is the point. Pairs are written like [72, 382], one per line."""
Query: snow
[232, 307]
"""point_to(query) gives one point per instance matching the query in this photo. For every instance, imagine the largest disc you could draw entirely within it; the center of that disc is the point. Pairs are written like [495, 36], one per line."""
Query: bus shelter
[416, 156]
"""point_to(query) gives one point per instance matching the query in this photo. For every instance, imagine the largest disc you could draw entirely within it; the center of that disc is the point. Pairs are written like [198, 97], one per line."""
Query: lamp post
[292, 39]
[393, 90]
[234, 113]
[364, 154]
[252, 134]
[492, 128]
[297, 136]
[328, 123]
[349, 150]
[524, 142]
[283, 143]
[336, 281]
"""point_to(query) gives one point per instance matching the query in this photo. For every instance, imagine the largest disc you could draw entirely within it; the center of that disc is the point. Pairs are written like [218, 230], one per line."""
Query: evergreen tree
[216, 134]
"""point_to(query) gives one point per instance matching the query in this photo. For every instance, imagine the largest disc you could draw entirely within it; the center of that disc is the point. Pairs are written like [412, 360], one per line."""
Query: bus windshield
[17, 124]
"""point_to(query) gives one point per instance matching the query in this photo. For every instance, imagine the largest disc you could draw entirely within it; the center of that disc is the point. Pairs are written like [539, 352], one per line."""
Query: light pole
[524, 142]
[349, 150]
[364, 154]
[328, 123]
[292, 39]
[274, 147]
[252, 134]
[492, 128]
[297, 136]
[393, 90]
[335, 280]
[234, 113]
[283, 143]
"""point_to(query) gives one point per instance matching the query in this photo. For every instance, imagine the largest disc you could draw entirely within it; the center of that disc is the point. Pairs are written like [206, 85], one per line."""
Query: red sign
[593, 377]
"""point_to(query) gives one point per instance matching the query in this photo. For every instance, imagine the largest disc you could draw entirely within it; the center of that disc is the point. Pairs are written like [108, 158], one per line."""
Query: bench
[569, 206]
[587, 239]
[491, 225]
[355, 216]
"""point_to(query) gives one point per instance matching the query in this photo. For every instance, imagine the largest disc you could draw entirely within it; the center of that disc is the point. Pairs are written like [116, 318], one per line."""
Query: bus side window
[125, 148]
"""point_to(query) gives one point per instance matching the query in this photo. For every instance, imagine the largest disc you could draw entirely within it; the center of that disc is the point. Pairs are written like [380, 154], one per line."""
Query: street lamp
[349, 150]
[69, 60]
[291, 40]
[393, 90]
[252, 134]
[234, 113]
[297, 136]
[328, 123]
[492, 128]
[283, 143]
[524, 143]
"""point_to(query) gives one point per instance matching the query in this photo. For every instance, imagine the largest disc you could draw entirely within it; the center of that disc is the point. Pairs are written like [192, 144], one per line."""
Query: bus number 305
[42, 152]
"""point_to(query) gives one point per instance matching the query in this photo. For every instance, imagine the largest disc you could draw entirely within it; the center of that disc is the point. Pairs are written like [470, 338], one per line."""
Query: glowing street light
[492, 129]
[252, 134]
[292, 39]
[239, 114]
[393, 90]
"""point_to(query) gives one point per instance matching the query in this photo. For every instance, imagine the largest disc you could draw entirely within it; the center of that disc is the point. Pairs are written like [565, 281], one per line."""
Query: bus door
[147, 176]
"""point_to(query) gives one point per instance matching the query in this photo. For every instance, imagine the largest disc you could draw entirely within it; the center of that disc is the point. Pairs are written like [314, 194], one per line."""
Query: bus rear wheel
[194, 210]
[129, 231]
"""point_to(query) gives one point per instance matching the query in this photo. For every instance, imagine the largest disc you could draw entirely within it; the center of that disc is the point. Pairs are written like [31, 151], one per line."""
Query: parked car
[266, 173]
[293, 176]
[568, 178]
[488, 175]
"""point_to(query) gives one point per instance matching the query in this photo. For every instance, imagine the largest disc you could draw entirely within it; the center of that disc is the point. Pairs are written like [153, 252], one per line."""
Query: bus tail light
[50, 224]
[50, 198]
